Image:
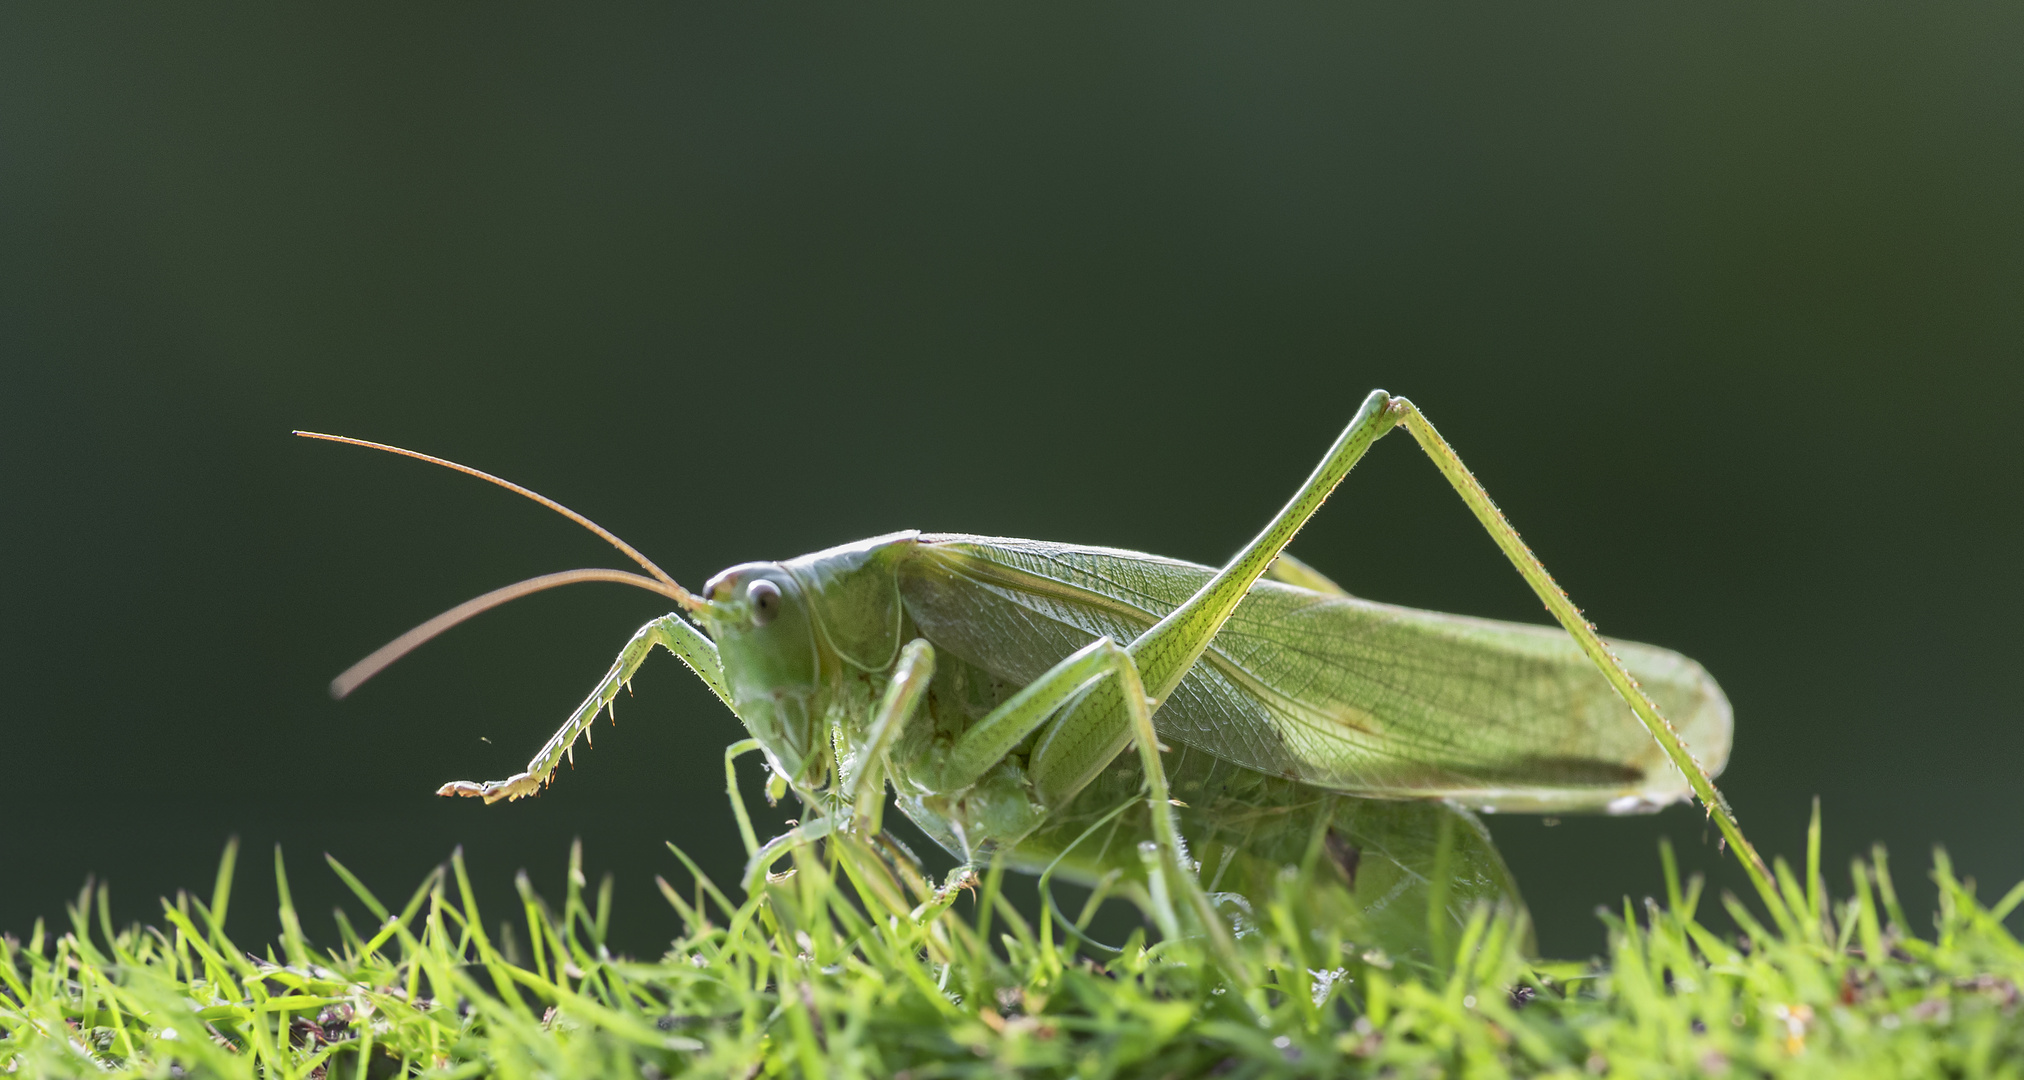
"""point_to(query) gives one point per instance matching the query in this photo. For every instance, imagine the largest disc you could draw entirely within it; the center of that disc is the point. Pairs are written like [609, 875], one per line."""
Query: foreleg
[669, 632]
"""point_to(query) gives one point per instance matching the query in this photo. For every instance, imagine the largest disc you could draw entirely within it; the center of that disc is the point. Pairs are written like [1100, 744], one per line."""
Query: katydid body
[997, 684]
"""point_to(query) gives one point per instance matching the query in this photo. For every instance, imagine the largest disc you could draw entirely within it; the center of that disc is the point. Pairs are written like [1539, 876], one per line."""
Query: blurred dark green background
[1724, 303]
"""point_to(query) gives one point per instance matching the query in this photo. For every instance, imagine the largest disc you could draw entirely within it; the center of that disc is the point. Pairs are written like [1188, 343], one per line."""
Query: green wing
[1352, 695]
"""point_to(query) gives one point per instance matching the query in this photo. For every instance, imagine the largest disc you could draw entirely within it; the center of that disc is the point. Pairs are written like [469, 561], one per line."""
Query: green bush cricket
[1274, 720]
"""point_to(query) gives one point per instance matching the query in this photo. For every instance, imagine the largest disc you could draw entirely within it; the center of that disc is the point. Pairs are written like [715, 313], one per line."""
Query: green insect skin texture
[997, 684]
[1242, 824]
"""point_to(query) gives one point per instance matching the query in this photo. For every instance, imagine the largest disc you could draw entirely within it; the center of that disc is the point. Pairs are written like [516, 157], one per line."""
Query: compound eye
[765, 598]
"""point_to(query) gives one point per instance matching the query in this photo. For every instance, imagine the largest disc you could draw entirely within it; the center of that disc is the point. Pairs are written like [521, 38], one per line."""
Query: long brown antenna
[401, 646]
[681, 596]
